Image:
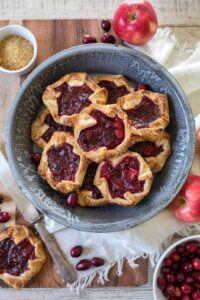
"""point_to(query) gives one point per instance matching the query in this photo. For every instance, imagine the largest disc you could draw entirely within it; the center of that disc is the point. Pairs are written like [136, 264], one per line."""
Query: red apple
[135, 21]
[186, 206]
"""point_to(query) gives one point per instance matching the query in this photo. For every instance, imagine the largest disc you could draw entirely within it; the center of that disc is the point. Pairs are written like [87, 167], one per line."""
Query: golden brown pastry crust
[85, 120]
[38, 128]
[18, 233]
[130, 198]
[50, 96]
[85, 199]
[119, 80]
[157, 163]
[64, 186]
[154, 129]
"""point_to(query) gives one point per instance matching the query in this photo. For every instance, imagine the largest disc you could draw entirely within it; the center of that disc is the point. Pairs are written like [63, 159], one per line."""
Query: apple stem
[181, 202]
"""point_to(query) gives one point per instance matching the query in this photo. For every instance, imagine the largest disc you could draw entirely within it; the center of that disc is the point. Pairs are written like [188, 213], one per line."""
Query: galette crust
[85, 199]
[50, 96]
[157, 163]
[130, 198]
[39, 128]
[119, 80]
[129, 101]
[63, 186]
[85, 120]
[18, 233]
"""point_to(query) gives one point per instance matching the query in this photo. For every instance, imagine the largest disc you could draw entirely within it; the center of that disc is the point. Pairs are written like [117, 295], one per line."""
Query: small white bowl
[27, 34]
[157, 293]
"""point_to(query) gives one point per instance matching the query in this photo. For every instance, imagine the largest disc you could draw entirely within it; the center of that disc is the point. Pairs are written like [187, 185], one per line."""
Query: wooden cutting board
[53, 36]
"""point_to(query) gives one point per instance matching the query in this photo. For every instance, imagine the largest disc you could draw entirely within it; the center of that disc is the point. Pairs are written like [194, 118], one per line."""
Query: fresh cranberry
[196, 276]
[83, 265]
[175, 256]
[178, 292]
[76, 251]
[189, 280]
[186, 297]
[88, 39]
[180, 249]
[106, 25]
[141, 86]
[36, 157]
[165, 293]
[187, 267]
[1, 199]
[167, 262]
[186, 288]
[97, 261]
[72, 200]
[197, 251]
[180, 277]
[196, 295]
[171, 290]
[170, 278]
[4, 217]
[174, 267]
[196, 263]
[165, 270]
[161, 283]
[197, 285]
[192, 246]
[108, 38]
[172, 298]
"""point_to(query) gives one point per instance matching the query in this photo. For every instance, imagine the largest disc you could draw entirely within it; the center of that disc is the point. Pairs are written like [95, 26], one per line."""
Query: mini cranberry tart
[102, 131]
[116, 85]
[89, 194]
[124, 180]
[21, 255]
[61, 165]
[155, 151]
[66, 98]
[44, 127]
[147, 111]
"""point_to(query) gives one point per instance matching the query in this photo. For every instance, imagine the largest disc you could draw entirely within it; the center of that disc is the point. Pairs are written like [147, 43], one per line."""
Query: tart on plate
[102, 131]
[21, 255]
[147, 111]
[154, 150]
[89, 194]
[62, 165]
[125, 179]
[66, 98]
[44, 127]
[116, 85]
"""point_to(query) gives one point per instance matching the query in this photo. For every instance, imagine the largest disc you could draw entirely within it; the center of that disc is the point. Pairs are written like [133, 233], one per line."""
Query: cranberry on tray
[4, 216]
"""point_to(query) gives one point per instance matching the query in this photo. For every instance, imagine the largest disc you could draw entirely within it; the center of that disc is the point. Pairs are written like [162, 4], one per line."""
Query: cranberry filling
[88, 183]
[144, 113]
[63, 162]
[53, 127]
[123, 177]
[108, 132]
[73, 98]
[14, 257]
[114, 91]
[146, 149]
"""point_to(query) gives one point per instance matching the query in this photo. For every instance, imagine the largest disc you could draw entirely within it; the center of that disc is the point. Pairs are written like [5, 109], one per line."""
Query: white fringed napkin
[146, 239]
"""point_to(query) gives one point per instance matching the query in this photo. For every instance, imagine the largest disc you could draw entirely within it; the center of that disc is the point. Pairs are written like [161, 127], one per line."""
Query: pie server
[30, 214]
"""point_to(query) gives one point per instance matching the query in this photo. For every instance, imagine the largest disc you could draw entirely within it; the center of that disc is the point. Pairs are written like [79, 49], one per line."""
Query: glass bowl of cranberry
[177, 274]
